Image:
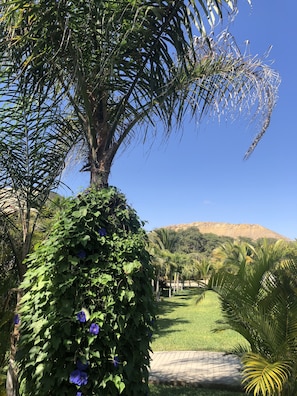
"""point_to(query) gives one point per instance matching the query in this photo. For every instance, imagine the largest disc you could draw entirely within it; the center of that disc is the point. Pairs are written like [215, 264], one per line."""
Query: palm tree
[260, 302]
[110, 69]
[205, 268]
[177, 261]
[164, 238]
[191, 268]
[32, 156]
[161, 245]
[33, 150]
[233, 256]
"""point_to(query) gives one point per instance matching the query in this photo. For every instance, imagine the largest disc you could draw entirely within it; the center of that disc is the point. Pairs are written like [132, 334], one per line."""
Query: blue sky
[200, 173]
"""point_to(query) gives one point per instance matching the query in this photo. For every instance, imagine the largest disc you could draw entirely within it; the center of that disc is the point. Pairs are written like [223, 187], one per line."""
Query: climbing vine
[87, 314]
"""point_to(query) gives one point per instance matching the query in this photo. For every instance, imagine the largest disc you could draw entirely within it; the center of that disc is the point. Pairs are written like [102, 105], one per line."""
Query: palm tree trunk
[100, 166]
[102, 147]
[158, 286]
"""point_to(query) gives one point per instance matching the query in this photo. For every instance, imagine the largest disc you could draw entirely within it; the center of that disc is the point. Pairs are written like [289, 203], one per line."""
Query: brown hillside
[253, 231]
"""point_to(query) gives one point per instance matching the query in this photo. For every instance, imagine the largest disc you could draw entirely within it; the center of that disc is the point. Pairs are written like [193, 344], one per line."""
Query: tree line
[256, 285]
[191, 255]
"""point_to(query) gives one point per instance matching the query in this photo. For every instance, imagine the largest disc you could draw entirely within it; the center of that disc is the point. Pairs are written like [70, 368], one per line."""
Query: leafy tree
[251, 241]
[212, 241]
[191, 240]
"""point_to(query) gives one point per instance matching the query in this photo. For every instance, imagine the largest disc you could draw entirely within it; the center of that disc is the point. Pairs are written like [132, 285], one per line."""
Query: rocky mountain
[252, 231]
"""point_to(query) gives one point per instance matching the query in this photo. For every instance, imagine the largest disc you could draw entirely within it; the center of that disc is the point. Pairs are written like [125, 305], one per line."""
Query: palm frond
[263, 377]
[34, 143]
[127, 63]
[226, 83]
[261, 305]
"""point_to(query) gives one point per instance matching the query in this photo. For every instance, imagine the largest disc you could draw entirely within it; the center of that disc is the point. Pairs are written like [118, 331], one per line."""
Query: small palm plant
[260, 303]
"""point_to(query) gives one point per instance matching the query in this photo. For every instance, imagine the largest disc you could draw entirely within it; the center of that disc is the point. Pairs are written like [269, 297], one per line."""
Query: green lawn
[185, 325]
[165, 390]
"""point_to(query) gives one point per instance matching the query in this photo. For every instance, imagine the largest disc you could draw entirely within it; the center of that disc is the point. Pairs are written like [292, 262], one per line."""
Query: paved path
[199, 368]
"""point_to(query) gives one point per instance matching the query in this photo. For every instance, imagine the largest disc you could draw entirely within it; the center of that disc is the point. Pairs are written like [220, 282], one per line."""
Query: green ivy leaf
[82, 212]
[85, 240]
[129, 268]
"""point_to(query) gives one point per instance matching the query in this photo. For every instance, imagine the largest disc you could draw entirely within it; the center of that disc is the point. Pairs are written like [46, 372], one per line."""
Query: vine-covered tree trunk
[97, 341]
[12, 385]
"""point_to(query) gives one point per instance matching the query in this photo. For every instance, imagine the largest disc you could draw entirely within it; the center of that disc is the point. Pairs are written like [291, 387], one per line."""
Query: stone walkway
[198, 368]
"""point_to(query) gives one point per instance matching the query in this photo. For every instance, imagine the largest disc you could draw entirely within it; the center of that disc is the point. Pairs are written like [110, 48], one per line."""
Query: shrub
[87, 314]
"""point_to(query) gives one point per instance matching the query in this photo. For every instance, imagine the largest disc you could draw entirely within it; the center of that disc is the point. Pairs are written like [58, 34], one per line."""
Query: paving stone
[199, 368]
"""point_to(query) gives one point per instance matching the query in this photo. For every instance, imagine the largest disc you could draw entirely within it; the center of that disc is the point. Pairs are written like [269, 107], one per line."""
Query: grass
[184, 324]
[166, 390]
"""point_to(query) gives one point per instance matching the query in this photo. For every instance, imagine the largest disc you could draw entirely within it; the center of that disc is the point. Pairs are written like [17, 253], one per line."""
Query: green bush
[87, 314]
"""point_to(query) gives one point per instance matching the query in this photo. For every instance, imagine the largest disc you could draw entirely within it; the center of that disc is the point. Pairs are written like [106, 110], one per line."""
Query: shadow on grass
[166, 390]
[189, 293]
[170, 304]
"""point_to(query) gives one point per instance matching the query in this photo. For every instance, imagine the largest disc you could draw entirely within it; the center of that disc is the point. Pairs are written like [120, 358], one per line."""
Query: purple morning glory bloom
[78, 377]
[94, 329]
[16, 319]
[116, 361]
[81, 254]
[79, 394]
[81, 366]
[81, 316]
[102, 231]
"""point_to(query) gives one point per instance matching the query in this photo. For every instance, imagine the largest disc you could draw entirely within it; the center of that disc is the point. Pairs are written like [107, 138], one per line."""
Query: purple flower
[79, 394]
[94, 329]
[82, 366]
[102, 231]
[81, 316]
[78, 377]
[116, 361]
[81, 254]
[16, 319]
